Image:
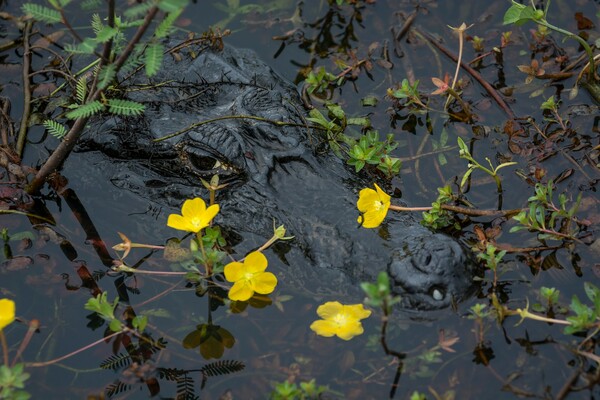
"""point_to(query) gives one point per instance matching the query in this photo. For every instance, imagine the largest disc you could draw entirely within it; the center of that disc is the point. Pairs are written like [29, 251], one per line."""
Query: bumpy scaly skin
[274, 173]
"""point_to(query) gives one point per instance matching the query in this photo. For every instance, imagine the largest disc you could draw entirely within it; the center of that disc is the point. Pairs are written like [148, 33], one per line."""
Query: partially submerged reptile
[220, 102]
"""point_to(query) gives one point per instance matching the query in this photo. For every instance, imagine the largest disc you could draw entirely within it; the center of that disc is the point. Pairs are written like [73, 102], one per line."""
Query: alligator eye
[205, 161]
[437, 294]
[202, 162]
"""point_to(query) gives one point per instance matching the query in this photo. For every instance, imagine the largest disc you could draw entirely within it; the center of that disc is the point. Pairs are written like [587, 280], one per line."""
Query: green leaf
[466, 177]
[97, 24]
[81, 90]
[139, 10]
[125, 107]
[166, 25]
[115, 325]
[87, 5]
[170, 6]
[86, 110]
[153, 58]
[86, 47]
[42, 13]
[106, 76]
[106, 34]
[139, 322]
[55, 129]
[513, 14]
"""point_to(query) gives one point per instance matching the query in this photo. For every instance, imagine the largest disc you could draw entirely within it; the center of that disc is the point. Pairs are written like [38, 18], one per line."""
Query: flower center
[196, 221]
[378, 205]
[340, 319]
[249, 276]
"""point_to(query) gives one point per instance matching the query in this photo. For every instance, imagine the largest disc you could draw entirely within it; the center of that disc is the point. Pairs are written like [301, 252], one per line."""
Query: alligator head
[215, 114]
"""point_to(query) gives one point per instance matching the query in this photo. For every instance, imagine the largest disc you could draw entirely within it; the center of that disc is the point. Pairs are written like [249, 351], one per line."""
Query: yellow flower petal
[194, 216]
[240, 291]
[255, 262]
[329, 309]
[374, 205]
[176, 221]
[265, 282]
[210, 213]
[357, 311]
[192, 208]
[324, 327]
[340, 320]
[7, 312]
[234, 271]
[349, 330]
[366, 197]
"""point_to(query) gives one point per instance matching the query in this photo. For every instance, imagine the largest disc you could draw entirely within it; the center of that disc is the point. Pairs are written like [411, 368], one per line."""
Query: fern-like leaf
[59, 3]
[55, 129]
[170, 6]
[153, 58]
[166, 25]
[86, 110]
[97, 23]
[106, 76]
[170, 374]
[81, 90]
[87, 5]
[116, 362]
[116, 388]
[185, 388]
[222, 367]
[106, 34]
[42, 13]
[125, 107]
[139, 10]
[86, 47]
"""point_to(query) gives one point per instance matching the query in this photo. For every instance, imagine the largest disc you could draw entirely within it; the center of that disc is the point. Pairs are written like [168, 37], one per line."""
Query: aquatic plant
[249, 277]
[373, 205]
[194, 216]
[340, 320]
[7, 312]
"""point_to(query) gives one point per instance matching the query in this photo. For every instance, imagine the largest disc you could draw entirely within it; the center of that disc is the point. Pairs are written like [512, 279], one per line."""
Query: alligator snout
[431, 271]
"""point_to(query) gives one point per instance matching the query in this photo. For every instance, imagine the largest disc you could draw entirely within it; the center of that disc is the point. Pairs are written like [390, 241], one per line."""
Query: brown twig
[26, 90]
[462, 210]
[6, 128]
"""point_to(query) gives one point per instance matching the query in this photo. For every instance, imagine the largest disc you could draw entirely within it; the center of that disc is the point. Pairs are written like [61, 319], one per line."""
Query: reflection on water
[199, 344]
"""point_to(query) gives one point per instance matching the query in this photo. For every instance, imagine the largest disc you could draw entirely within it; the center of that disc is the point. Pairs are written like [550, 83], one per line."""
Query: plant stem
[207, 266]
[26, 91]
[71, 354]
[462, 210]
[590, 53]
[4, 347]
[34, 324]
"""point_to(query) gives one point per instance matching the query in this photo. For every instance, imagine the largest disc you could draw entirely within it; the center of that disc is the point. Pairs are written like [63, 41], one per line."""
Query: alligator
[214, 114]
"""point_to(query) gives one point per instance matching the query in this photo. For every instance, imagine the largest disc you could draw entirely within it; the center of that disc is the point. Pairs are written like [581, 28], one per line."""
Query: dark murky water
[532, 359]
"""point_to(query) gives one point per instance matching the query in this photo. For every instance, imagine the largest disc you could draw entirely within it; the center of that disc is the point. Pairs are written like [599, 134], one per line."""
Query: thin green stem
[582, 42]
[207, 266]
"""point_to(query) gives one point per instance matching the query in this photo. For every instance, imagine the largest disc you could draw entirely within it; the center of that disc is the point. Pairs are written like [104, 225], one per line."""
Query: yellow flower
[195, 216]
[373, 206]
[250, 277]
[340, 320]
[7, 312]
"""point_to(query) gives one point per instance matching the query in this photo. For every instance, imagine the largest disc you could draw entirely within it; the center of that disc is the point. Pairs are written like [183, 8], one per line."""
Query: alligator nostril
[428, 259]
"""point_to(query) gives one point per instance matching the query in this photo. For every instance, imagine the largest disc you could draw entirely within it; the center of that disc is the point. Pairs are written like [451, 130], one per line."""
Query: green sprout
[551, 221]
[474, 164]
